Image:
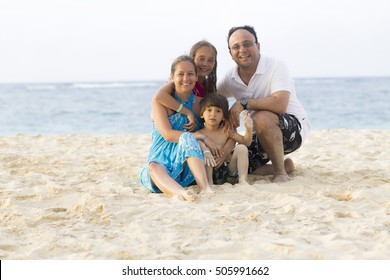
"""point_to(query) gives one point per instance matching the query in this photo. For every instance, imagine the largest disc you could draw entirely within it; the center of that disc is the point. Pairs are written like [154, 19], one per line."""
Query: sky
[136, 40]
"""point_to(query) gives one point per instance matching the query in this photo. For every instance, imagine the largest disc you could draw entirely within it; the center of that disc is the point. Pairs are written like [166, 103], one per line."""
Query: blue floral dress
[173, 155]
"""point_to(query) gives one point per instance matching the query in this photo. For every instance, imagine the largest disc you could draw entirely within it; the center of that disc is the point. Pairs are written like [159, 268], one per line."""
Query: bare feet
[268, 169]
[243, 182]
[188, 195]
[207, 189]
[289, 165]
[280, 178]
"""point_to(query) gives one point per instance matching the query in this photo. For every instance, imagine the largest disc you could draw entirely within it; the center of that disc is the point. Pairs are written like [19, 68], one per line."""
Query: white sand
[78, 197]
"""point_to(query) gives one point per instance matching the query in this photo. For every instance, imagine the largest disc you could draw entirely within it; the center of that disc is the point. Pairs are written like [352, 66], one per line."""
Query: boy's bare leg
[240, 162]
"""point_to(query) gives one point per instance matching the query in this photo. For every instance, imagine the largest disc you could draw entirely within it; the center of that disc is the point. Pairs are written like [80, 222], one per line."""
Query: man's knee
[265, 119]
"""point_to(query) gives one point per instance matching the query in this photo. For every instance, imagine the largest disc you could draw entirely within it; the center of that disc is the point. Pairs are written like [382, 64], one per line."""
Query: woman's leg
[166, 184]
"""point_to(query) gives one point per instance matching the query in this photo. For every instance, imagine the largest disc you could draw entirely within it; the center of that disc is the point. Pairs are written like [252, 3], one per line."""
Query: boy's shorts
[292, 140]
[222, 175]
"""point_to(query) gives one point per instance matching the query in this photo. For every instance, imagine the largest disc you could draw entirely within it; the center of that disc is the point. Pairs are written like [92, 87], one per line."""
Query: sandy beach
[78, 197]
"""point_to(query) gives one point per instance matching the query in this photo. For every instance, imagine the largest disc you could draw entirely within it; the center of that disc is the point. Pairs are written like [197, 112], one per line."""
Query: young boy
[214, 109]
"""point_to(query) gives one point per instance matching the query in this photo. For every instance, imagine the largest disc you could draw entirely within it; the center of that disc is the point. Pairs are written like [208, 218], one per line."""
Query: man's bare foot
[280, 178]
[289, 165]
[188, 195]
[268, 169]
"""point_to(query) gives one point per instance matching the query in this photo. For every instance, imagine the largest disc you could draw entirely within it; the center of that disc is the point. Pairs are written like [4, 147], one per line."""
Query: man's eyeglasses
[246, 45]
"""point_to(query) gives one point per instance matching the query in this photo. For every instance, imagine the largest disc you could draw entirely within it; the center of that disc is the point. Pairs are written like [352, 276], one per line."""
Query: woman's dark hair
[248, 28]
[211, 79]
[181, 59]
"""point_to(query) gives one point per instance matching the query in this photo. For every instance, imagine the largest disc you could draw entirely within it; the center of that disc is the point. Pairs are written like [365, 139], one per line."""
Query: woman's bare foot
[188, 195]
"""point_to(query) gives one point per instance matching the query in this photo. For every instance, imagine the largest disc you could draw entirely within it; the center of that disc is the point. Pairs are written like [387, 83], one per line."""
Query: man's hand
[234, 114]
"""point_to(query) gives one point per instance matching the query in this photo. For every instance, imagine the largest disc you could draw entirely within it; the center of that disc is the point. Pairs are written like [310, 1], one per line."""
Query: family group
[195, 139]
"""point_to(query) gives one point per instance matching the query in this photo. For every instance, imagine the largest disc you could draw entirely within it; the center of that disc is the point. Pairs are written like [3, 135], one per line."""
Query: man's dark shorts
[292, 140]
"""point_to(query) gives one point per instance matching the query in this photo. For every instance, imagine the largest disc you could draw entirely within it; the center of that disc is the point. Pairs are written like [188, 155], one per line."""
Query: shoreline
[77, 196]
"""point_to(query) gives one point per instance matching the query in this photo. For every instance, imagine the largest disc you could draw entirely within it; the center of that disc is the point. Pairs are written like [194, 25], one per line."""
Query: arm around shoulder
[165, 98]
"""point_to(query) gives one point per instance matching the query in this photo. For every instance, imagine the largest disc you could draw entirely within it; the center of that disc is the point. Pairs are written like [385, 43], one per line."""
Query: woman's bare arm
[165, 98]
[161, 121]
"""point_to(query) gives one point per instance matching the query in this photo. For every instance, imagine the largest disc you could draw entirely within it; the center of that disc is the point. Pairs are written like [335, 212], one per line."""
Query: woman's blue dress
[171, 155]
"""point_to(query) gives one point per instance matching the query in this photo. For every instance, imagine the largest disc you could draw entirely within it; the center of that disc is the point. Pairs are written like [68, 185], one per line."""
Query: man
[263, 85]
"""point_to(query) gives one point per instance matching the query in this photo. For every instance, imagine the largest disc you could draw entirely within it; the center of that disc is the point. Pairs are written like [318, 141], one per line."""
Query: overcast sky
[117, 40]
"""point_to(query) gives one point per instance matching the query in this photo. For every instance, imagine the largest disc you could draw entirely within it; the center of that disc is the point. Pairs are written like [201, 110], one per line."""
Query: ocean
[124, 107]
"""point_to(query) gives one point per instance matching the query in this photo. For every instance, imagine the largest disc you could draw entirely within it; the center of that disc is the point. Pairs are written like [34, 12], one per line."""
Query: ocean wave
[48, 87]
[319, 81]
[123, 107]
[89, 85]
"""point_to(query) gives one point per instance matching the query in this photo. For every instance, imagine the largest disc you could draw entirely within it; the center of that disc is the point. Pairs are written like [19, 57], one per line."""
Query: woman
[175, 159]
[205, 56]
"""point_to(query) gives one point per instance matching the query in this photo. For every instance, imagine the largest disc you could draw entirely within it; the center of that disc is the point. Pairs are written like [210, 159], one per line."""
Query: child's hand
[217, 152]
[232, 132]
[248, 122]
[209, 159]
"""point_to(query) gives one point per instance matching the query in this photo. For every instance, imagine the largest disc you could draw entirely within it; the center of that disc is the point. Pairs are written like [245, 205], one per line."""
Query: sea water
[124, 107]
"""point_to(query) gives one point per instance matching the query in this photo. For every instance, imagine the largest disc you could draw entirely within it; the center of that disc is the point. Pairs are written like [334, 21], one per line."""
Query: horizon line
[162, 80]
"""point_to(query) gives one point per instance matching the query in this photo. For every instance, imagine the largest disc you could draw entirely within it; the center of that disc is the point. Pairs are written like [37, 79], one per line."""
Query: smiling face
[184, 77]
[205, 61]
[244, 49]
